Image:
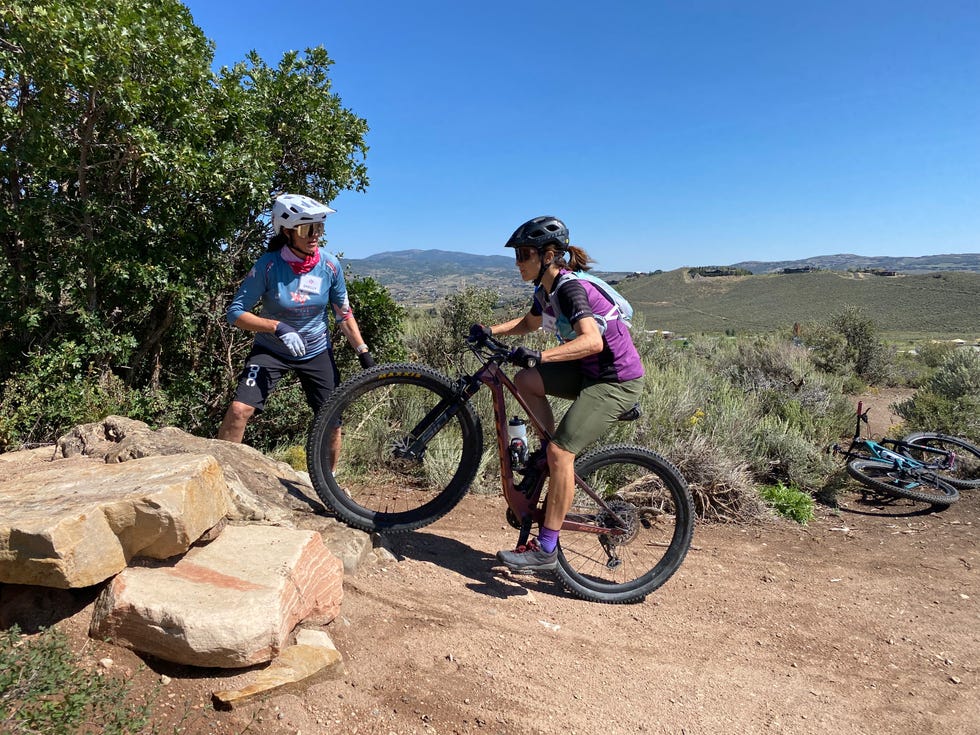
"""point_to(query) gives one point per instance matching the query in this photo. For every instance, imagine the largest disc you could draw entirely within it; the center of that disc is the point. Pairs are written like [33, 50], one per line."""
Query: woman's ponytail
[578, 259]
[278, 241]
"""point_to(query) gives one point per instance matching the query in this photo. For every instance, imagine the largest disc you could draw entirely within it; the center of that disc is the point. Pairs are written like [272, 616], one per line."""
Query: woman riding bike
[595, 365]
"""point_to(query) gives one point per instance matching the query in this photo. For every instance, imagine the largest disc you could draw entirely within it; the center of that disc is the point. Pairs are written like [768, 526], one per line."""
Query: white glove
[292, 339]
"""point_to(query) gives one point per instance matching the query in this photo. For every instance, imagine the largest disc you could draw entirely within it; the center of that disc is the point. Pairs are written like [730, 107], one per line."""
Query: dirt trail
[863, 622]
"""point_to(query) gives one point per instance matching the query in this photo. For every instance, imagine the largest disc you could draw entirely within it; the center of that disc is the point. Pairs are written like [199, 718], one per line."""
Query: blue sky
[665, 134]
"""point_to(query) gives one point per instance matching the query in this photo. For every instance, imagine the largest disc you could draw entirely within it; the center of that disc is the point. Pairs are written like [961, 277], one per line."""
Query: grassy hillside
[943, 304]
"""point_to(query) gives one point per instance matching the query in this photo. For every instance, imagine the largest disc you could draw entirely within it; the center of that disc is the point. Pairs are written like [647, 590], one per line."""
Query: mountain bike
[889, 467]
[413, 444]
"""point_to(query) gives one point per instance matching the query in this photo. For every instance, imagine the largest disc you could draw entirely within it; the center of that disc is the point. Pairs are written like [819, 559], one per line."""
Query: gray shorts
[596, 405]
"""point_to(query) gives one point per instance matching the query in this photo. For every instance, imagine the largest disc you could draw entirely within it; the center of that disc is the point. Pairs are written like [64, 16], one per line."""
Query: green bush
[849, 346]
[788, 502]
[934, 354]
[54, 393]
[44, 689]
[293, 455]
[438, 342]
[949, 401]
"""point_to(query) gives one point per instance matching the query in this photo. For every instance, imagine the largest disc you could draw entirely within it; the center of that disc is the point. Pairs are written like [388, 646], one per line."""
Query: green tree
[377, 315]
[135, 185]
[443, 347]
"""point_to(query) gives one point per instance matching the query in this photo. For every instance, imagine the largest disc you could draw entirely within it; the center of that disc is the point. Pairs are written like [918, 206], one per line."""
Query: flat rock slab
[77, 524]
[314, 657]
[230, 604]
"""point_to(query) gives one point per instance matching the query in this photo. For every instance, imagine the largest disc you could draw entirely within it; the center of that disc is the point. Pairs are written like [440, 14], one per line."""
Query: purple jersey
[300, 301]
[577, 298]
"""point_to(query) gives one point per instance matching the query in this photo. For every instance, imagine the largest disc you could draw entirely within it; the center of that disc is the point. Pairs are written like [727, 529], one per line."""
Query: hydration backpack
[622, 309]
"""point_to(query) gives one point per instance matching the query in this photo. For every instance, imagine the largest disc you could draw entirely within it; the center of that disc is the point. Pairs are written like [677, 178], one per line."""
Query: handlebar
[488, 348]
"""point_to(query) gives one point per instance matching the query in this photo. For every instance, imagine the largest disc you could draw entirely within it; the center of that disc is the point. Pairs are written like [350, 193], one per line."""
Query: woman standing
[299, 284]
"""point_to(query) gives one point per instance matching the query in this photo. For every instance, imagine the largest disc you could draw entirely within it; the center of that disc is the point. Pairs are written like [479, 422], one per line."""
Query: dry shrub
[721, 484]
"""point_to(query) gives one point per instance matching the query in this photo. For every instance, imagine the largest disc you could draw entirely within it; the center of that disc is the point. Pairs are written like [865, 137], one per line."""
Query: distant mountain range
[424, 277]
[847, 262]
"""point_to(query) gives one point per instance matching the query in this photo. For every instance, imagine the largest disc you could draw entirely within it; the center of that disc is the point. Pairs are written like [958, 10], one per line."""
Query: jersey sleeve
[248, 293]
[573, 301]
[339, 301]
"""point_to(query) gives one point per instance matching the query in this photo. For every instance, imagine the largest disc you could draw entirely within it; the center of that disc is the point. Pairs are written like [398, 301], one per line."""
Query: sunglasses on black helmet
[522, 254]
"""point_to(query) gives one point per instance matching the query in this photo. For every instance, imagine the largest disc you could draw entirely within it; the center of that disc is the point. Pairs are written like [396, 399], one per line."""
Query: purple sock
[547, 539]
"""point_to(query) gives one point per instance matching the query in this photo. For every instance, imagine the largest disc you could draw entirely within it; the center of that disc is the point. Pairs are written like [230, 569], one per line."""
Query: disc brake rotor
[393, 453]
[623, 516]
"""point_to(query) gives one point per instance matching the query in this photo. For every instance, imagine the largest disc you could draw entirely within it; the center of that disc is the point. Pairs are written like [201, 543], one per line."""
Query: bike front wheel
[965, 472]
[921, 485]
[650, 501]
[374, 474]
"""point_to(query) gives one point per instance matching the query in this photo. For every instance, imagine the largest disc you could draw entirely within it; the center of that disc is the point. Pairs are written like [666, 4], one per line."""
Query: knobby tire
[965, 474]
[921, 485]
[374, 489]
[649, 493]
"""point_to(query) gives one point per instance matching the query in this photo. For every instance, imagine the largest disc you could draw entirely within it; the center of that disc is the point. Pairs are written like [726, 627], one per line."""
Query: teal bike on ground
[899, 468]
[412, 445]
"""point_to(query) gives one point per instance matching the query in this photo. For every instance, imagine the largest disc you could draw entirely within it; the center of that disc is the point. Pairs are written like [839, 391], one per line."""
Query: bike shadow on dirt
[882, 507]
[488, 576]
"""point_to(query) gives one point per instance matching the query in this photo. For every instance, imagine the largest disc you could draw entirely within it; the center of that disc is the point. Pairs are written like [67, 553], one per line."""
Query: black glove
[366, 360]
[479, 333]
[525, 357]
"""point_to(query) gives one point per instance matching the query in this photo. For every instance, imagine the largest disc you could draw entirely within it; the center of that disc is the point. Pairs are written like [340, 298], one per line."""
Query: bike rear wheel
[965, 472]
[649, 494]
[884, 477]
[374, 487]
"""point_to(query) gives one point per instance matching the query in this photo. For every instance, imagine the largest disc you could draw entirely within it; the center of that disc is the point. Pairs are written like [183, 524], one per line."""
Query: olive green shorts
[597, 405]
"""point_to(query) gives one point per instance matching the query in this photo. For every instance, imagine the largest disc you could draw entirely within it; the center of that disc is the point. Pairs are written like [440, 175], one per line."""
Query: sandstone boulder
[77, 524]
[261, 488]
[231, 603]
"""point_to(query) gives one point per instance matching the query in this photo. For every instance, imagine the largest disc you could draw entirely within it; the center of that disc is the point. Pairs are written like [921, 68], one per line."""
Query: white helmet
[291, 210]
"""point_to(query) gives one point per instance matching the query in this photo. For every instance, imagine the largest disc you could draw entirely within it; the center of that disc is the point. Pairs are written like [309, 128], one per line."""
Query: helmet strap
[543, 268]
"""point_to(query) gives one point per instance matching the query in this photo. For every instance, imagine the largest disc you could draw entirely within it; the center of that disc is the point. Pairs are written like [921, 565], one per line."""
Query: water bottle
[517, 431]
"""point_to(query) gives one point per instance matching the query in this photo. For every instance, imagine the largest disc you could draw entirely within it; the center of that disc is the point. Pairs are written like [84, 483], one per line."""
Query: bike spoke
[955, 460]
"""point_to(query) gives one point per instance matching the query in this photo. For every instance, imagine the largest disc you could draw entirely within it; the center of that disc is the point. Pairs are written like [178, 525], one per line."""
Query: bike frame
[878, 450]
[523, 505]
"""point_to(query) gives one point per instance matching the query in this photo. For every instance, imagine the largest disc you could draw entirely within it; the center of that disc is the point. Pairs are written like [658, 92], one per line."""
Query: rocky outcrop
[313, 657]
[228, 604]
[261, 488]
[75, 525]
[227, 550]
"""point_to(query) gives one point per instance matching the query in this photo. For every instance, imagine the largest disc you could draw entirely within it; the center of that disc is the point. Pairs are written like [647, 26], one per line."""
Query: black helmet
[540, 232]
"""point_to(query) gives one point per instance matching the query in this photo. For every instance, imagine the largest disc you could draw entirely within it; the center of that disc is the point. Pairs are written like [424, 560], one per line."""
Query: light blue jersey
[300, 301]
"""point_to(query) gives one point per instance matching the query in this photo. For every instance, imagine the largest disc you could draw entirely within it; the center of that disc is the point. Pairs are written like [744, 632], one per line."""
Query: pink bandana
[300, 265]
